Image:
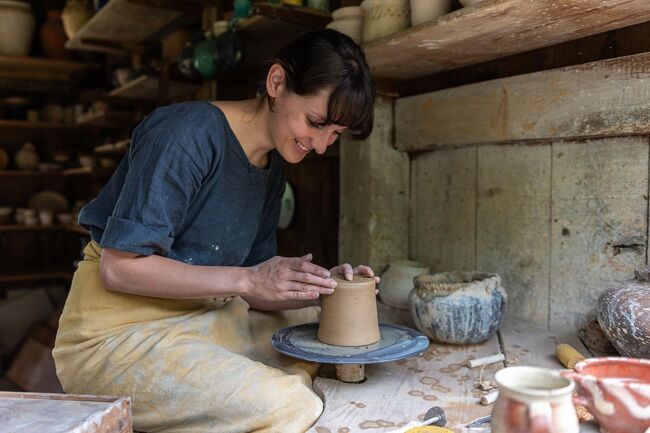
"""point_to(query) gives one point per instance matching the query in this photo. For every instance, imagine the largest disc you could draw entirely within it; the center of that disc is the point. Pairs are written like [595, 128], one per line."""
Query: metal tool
[481, 421]
[435, 416]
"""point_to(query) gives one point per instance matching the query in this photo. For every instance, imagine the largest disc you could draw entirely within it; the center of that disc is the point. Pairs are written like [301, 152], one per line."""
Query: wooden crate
[22, 412]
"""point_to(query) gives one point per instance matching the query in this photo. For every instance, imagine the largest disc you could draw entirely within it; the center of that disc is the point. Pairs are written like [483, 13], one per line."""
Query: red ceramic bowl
[616, 391]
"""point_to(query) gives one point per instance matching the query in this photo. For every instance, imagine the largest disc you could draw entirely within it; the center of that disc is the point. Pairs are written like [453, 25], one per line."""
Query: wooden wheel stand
[351, 373]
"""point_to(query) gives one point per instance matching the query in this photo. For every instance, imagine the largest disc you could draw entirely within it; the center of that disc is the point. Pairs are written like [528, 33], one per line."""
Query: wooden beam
[600, 99]
[494, 29]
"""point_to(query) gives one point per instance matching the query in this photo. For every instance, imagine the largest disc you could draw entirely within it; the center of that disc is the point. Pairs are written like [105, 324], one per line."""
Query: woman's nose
[323, 141]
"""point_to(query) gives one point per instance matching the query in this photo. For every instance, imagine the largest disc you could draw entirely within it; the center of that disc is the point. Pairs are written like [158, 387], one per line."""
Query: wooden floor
[401, 392]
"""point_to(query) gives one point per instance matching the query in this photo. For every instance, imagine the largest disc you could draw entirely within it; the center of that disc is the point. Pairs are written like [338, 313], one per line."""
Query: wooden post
[351, 373]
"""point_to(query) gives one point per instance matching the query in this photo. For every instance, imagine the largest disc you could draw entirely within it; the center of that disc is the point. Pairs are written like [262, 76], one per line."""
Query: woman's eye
[316, 124]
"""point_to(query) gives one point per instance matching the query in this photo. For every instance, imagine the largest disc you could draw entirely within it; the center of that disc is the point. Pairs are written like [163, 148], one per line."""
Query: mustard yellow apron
[189, 366]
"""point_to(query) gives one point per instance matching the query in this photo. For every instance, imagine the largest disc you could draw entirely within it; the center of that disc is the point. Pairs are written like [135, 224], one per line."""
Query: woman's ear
[275, 80]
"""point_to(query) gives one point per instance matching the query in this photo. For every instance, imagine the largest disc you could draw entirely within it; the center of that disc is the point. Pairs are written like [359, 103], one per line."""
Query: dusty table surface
[397, 393]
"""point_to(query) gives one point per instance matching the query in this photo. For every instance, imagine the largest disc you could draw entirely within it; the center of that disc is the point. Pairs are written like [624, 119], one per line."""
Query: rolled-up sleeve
[164, 176]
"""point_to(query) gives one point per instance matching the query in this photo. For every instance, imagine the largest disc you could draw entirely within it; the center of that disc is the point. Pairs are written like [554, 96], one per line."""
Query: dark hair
[327, 58]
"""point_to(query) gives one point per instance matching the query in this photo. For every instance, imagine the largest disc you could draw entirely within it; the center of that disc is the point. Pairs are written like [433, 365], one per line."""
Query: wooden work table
[397, 393]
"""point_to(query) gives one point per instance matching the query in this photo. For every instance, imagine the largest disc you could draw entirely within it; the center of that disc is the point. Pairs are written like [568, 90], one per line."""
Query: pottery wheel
[395, 343]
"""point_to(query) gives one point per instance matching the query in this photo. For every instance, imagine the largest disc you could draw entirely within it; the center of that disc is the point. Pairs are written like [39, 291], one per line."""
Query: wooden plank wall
[558, 216]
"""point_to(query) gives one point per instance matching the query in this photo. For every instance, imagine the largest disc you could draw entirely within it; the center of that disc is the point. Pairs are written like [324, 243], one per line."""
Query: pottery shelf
[270, 27]
[493, 29]
[36, 275]
[108, 119]
[77, 171]
[54, 227]
[24, 124]
[35, 68]
[124, 24]
[146, 88]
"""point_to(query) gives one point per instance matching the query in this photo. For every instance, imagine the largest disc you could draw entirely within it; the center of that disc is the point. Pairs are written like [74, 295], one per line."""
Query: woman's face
[297, 127]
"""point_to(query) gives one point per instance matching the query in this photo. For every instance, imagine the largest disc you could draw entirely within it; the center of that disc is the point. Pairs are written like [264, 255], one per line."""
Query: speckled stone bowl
[457, 307]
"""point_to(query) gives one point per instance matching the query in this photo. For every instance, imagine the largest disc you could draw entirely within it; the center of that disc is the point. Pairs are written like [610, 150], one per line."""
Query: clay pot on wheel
[349, 315]
[458, 307]
[623, 315]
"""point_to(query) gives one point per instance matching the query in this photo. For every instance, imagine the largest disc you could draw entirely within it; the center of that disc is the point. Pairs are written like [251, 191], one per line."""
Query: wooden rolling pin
[568, 356]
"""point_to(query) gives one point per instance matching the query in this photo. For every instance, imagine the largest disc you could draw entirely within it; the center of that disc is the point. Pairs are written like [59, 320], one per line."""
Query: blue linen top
[187, 191]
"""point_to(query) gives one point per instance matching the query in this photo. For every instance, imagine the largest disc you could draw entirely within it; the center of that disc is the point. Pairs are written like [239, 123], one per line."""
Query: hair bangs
[352, 108]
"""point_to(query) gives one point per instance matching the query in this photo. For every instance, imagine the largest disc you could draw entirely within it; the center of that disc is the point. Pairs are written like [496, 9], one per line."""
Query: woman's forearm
[161, 277]
[264, 305]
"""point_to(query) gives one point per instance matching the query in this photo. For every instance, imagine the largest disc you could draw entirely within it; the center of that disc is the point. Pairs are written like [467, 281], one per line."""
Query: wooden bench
[397, 393]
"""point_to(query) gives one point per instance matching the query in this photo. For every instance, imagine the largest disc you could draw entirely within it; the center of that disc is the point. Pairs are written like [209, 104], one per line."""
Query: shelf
[121, 24]
[77, 171]
[108, 119]
[24, 124]
[36, 275]
[146, 88]
[496, 28]
[72, 228]
[39, 68]
[270, 27]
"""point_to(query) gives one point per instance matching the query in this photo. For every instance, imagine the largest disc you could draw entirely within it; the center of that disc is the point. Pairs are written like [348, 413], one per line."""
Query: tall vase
[75, 14]
[53, 37]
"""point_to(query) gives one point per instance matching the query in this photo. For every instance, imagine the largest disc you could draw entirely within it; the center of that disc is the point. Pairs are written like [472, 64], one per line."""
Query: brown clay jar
[53, 37]
[349, 315]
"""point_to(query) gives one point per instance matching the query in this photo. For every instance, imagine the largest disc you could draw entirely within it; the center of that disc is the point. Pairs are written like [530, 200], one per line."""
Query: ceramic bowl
[384, 17]
[347, 12]
[352, 27]
[616, 391]
[427, 10]
[457, 307]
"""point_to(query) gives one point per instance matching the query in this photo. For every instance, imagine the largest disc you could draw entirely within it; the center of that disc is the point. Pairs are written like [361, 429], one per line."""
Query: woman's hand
[346, 271]
[289, 278]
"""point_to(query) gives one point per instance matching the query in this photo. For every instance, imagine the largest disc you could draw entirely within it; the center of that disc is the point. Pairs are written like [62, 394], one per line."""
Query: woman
[189, 216]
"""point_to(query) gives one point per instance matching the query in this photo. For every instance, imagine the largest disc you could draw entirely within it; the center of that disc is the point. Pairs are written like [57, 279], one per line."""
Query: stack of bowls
[384, 17]
[349, 21]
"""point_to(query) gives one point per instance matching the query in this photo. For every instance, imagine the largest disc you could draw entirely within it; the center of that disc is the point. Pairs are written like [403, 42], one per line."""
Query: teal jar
[242, 8]
[323, 5]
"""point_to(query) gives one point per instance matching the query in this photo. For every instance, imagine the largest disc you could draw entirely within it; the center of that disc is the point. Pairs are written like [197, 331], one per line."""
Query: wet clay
[349, 315]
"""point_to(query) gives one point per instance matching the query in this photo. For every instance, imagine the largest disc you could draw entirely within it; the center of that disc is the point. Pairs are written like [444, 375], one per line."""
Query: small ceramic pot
[349, 315]
[397, 282]
[458, 307]
[533, 399]
[26, 158]
[427, 10]
[5, 214]
[384, 17]
[45, 217]
[622, 313]
[53, 37]
[75, 14]
[616, 391]
[16, 28]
